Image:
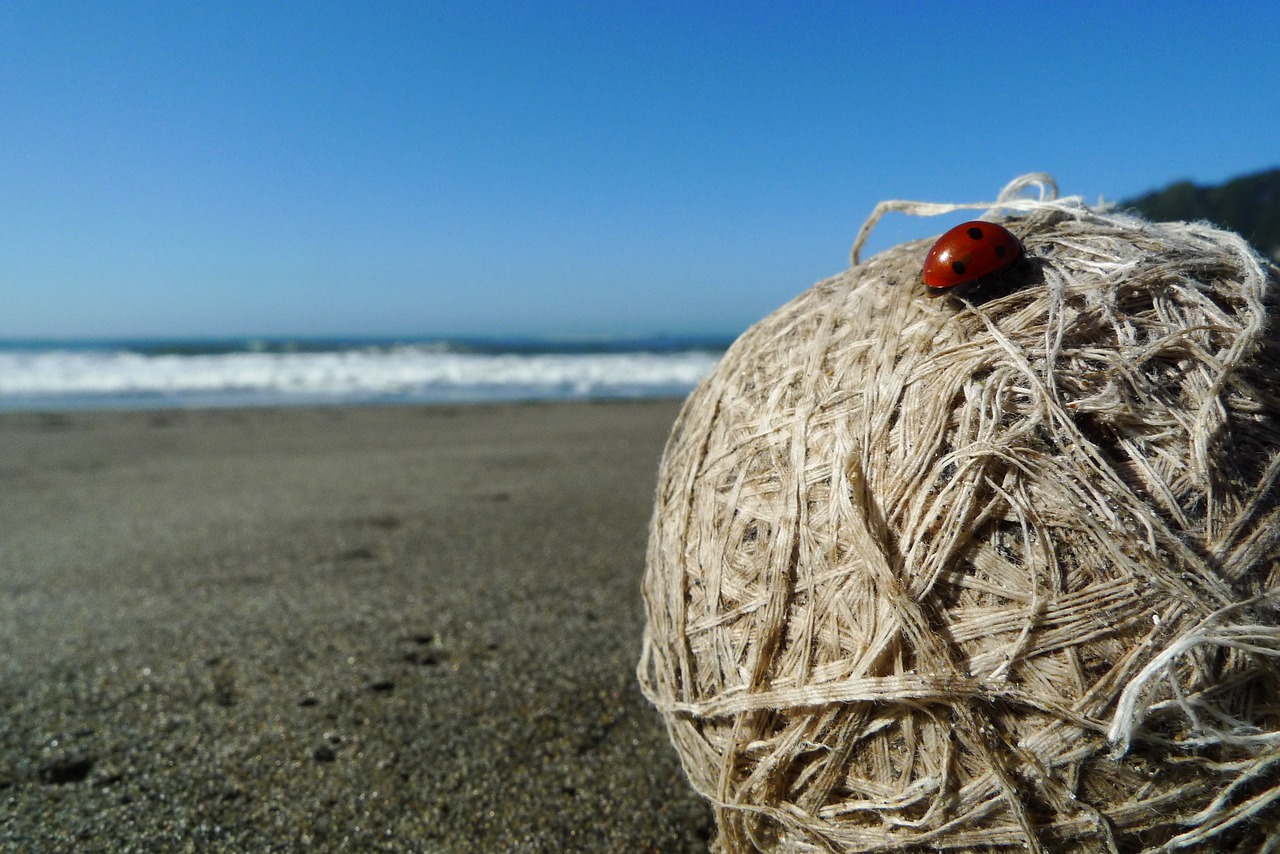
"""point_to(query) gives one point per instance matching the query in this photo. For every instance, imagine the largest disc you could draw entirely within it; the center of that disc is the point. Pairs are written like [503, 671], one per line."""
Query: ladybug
[969, 252]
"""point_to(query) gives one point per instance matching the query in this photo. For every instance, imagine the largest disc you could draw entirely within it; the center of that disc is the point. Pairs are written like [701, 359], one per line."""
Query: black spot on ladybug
[1000, 251]
[975, 233]
[958, 266]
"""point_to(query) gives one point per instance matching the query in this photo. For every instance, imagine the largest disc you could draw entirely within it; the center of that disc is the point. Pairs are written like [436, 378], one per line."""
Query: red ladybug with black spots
[968, 252]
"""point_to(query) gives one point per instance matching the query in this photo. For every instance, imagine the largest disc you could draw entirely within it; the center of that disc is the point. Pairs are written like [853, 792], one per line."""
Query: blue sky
[559, 168]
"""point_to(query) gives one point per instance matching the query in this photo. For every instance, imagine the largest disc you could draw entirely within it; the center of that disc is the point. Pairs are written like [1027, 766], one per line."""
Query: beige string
[987, 571]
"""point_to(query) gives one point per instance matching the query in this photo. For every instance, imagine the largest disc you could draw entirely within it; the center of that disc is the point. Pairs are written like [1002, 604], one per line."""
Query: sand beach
[403, 628]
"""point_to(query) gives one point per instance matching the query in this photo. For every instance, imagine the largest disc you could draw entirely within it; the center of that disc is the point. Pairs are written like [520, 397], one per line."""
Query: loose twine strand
[984, 572]
[1007, 200]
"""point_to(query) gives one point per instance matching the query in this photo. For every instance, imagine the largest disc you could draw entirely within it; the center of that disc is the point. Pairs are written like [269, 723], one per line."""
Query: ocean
[151, 374]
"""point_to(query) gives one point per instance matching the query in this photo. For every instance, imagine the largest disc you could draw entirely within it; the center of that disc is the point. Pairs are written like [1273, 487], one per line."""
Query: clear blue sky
[363, 168]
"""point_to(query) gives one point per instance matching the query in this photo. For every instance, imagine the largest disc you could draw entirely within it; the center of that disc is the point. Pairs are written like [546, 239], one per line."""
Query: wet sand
[367, 629]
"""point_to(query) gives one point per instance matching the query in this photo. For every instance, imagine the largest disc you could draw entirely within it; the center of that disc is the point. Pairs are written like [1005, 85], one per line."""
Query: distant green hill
[1249, 205]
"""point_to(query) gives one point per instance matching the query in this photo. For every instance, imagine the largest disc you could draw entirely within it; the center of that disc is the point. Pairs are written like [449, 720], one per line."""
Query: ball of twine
[967, 573]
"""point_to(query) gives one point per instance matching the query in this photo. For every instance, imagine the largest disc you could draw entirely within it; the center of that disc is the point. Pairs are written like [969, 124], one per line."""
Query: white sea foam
[100, 377]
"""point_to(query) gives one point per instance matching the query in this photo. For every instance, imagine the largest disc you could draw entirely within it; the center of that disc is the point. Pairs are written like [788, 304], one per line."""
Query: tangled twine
[985, 572]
